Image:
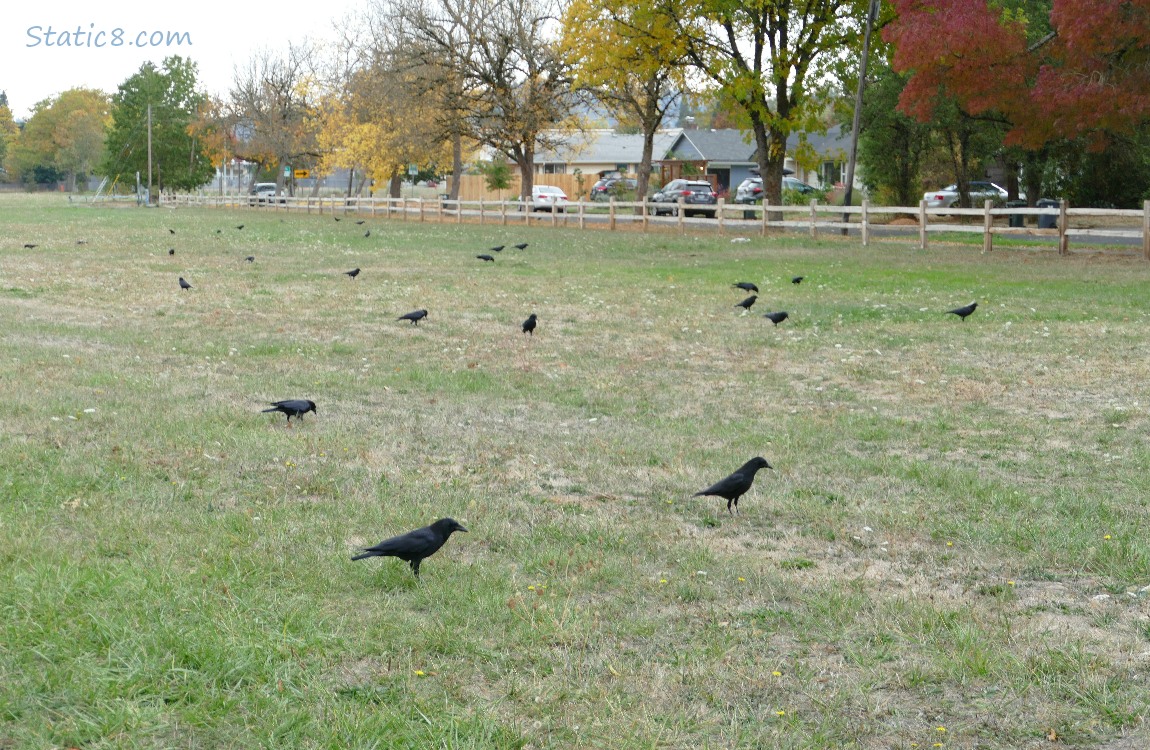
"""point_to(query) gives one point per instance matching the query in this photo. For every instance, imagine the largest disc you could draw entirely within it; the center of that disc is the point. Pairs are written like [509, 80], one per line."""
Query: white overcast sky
[223, 33]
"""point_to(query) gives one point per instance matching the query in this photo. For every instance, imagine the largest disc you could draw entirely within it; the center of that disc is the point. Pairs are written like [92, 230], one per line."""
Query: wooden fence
[1060, 223]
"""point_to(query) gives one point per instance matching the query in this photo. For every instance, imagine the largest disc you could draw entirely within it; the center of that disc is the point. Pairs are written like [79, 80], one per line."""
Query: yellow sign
[302, 174]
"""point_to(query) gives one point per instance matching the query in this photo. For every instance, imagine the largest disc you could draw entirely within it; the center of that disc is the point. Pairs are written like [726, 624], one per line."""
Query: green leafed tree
[179, 161]
[64, 138]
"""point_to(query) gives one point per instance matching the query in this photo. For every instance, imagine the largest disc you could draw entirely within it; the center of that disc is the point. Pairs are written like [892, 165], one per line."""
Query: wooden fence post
[719, 214]
[987, 219]
[922, 225]
[459, 210]
[814, 231]
[647, 218]
[1063, 240]
[682, 217]
[420, 200]
[763, 230]
[481, 211]
[1146, 230]
[611, 222]
[581, 215]
[503, 212]
[864, 220]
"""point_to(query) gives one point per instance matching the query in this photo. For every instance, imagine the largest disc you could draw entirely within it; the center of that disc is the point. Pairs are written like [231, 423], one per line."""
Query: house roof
[727, 145]
[605, 147]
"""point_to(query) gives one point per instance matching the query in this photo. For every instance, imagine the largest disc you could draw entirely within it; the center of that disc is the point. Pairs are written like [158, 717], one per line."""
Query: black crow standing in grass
[520, 246]
[367, 233]
[745, 286]
[171, 251]
[485, 257]
[30, 246]
[336, 218]
[352, 273]
[530, 323]
[172, 231]
[250, 259]
[414, 546]
[798, 279]
[498, 248]
[963, 311]
[360, 222]
[241, 226]
[776, 317]
[736, 485]
[746, 304]
[184, 284]
[414, 317]
[295, 407]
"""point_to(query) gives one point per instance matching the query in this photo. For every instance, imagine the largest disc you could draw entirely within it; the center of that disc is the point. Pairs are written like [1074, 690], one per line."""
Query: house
[600, 152]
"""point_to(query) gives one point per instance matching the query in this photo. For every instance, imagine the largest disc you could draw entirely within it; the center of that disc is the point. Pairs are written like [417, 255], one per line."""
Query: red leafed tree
[1090, 78]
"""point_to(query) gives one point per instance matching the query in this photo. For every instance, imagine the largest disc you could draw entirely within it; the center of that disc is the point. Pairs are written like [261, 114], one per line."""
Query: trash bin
[1016, 220]
[443, 199]
[1047, 221]
[749, 214]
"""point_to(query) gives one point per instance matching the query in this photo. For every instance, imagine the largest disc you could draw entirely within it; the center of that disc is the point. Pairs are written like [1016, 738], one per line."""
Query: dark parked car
[750, 190]
[698, 197]
[609, 187]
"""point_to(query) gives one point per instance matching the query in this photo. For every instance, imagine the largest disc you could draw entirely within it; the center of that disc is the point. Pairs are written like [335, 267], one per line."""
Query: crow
[218, 231]
[250, 259]
[30, 246]
[184, 284]
[241, 226]
[295, 407]
[81, 242]
[171, 251]
[352, 273]
[498, 248]
[746, 286]
[485, 256]
[798, 279]
[336, 218]
[172, 231]
[520, 246]
[776, 317]
[736, 485]
[746, 304]
[962, 312]
[414, 546]
[360, 222]
[414, 317]
[530, 323]
[367, 233]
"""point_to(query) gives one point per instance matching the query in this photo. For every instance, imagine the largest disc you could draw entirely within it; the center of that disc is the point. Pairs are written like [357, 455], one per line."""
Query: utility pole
[872, 12]
[149, 154]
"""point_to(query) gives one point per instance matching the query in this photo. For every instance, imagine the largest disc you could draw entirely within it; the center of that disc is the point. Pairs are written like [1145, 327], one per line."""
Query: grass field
[951, 551]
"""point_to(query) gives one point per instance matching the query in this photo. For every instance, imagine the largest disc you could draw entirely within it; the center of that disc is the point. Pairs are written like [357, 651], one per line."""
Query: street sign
[287, 171]
[302, 174]
[413, 169]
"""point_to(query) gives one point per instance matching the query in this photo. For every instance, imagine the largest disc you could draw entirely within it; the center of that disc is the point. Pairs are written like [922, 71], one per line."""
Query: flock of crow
[415, 546]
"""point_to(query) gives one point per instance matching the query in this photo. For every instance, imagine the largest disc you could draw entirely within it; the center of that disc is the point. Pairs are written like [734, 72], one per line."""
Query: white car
[979, 192]
[548, 198]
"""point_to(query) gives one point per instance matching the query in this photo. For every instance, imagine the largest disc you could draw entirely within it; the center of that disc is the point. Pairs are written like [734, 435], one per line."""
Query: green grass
[955, 533]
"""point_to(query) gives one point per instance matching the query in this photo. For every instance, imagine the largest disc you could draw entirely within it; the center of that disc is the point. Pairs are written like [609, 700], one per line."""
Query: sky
[217, 34]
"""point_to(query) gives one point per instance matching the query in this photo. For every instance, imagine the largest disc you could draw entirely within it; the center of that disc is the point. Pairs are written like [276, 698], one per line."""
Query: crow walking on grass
[520, 246]
[748, 302]
[414, 546]
[498, 248]
[184, 284]
[529, 324]
[745, 286]
[241, 226]
[963, 311]
[485, 257]
[250, 259]
[736, 485]
[295, 407]
[798, 279]
[352, 273]
[30, 246]
[367, 233]
[414, 317]
[171, 251]
[776, 317]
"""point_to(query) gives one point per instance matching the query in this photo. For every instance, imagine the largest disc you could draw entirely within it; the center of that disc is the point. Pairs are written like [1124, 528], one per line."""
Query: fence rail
[1053, 221]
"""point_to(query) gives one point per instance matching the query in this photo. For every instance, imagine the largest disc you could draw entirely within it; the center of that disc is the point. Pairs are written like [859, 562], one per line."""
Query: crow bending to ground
[416, 545]
[529, 324]
[776, 317]
[295, 407]
[414, 317]
[184, 284]
[746, 304]
[485, 257]
[520, 246]
[736, 485]
[963, 311]
[745, 286]
[498, 248]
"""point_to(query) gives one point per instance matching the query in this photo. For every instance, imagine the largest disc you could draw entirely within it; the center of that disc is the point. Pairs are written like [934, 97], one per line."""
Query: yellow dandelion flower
[530, 588]
[742, 580]
[776, 673]
[950, 544]
[662, 580]
[419, 673]
[1106, 537]
[940, 729]
[780, 713]
[1010, 583]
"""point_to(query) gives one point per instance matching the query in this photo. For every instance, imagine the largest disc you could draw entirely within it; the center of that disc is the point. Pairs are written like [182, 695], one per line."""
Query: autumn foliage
[1090, 78]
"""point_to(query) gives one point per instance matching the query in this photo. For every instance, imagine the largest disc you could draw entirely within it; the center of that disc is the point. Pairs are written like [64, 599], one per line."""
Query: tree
[772, 58]
[633, 64]
[178, 158]
[64, 137]
[273, 102]
[508, 81]
[891, 144]
[1087, 78]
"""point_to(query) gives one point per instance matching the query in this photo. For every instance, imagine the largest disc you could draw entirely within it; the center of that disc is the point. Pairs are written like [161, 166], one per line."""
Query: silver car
[980, 191]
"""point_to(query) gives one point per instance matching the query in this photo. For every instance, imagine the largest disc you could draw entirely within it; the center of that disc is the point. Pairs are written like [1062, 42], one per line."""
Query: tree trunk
[456, 164]
[350, 180]
[395, 185]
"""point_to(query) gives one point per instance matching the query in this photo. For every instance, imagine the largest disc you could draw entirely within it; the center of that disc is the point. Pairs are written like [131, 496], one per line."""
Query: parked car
[698, 196]
[264, 192]
[609, 187]
[750, 190]
[548, 198]
[979, 191]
